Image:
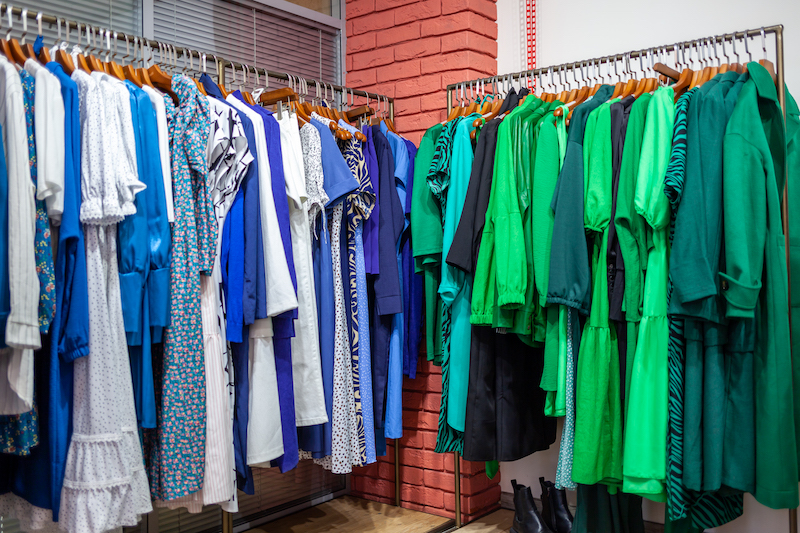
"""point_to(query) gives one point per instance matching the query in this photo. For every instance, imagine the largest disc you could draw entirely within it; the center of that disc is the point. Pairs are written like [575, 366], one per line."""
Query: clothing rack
[168, 55]
[650, 54]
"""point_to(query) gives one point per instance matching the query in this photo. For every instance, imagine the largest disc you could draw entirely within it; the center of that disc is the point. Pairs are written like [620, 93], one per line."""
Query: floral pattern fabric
[20, 433]
[44, 252]
[177, 450]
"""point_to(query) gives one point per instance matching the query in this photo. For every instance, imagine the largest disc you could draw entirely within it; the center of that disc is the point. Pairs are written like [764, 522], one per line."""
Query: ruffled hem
[31, 518]
[102, 212]
[105, 484]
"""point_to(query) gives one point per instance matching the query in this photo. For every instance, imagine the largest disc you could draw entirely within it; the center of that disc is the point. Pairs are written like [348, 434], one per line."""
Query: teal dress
[455, 287]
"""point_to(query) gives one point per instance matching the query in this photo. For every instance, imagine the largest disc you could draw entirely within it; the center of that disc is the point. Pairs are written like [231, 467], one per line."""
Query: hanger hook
[764, 41]
[714, 50]
[747, 48]
[24, 18]
[39, 22]
[127, 49]
[58, 24]
[10, 21]
[108, 44]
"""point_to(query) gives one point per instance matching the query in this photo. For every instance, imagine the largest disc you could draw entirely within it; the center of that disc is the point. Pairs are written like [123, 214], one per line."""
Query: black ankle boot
[526, 516]
[560, 516]
[545, 499]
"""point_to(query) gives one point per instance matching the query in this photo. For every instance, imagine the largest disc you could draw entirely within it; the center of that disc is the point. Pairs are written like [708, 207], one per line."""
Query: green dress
[686, 510]
[447, 438]
[426, 234]
[644, 467]
[598, 421]
[632, 232]
[551, 143]
[755, 279]
[456, 287]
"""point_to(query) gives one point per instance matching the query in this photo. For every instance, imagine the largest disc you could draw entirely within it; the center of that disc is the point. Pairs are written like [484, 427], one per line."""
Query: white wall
[571, 30]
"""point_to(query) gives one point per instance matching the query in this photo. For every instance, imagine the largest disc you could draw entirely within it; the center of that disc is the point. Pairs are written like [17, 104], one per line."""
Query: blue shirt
[371, 224]
[414, 285]
[283, 324]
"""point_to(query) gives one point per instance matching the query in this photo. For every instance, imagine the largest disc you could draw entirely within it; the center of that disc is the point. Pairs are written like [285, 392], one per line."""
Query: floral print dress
[177, 449]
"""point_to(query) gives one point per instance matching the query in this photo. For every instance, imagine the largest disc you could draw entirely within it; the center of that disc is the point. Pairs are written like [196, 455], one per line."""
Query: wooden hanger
[127, 70]
[26, 48]
[112, 67]
[159, 79]
[278, 95]
[359, 112]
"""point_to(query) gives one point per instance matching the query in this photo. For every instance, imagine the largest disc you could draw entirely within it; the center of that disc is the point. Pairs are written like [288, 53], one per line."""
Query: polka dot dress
[105, 485]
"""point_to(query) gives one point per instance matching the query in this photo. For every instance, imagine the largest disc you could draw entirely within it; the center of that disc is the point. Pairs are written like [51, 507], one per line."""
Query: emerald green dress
[644, 469]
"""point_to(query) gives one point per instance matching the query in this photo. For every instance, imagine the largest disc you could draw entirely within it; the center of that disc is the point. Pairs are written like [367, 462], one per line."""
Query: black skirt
[505, 418]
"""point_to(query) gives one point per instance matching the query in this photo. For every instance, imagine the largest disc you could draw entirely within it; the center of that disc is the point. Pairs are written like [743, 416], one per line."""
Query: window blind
[245, 31]
[117, 15]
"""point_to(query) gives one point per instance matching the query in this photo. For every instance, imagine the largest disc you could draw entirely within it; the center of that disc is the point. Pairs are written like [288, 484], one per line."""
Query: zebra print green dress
[447, 439]
[703, 509]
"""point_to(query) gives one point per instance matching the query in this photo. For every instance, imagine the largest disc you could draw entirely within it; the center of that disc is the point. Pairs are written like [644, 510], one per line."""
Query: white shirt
[22, 328]
[309, 397]
[49, 124]
[121, 140]
[157, 99]
[281, 296]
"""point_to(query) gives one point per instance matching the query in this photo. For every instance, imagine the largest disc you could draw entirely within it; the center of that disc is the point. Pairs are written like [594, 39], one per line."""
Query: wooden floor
[355, 515]
[497, 522]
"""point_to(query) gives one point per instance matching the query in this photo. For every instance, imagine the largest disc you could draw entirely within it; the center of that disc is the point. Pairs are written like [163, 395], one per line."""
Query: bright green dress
[645, 453]
[551, 144]
[598, 421]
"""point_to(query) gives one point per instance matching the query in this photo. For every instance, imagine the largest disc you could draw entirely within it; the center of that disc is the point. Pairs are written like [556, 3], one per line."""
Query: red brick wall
[412, 49]
[426, 477]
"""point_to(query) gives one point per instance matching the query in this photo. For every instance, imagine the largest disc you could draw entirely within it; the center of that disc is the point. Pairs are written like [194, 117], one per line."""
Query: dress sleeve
[133, 248]
[599, 182]
[158, 232]
[650, 200]
[545, 174]
[744, 191]
[511, 269]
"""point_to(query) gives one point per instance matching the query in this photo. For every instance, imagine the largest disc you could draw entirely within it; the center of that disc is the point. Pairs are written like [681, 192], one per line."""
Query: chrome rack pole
[456, 458]
[776, 29]
[457, 469]
[780, 67]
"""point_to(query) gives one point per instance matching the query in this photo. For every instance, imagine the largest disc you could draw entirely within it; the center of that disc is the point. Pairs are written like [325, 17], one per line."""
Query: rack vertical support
[780, 67]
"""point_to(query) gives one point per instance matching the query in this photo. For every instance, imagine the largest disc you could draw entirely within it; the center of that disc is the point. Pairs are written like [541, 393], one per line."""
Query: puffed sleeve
[598, 191]
[650, 200]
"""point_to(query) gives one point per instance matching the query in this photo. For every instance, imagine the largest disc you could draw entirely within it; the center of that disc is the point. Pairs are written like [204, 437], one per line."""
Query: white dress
[105, 484]
[309, 396]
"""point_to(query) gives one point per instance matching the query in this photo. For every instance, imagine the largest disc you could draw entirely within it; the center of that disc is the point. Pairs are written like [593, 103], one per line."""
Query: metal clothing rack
[169, 54]
[651, 54]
